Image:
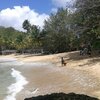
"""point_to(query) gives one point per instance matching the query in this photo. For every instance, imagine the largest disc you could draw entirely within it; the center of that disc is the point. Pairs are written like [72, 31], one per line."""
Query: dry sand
[80, 75]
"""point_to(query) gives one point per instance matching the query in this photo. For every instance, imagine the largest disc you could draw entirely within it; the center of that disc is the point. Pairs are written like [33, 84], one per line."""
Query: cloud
[15, 17]
[63, 3]
[54, 10]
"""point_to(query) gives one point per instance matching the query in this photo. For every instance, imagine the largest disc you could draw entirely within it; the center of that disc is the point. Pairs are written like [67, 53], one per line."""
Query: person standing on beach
[63, 62]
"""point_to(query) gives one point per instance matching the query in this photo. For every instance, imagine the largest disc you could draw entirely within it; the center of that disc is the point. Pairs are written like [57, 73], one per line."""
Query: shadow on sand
[75, 56]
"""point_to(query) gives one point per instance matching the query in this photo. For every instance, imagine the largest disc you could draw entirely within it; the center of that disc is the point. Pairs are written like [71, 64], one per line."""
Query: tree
[58, 31]
[27, 26]
[87, 20]
[33, 34]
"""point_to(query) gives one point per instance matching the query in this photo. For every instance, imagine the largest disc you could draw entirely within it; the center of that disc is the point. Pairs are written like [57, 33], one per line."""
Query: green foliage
[63, 31]
[59, 36]
[27, 26]
[7, 36]
[21, 41]
[87, 19]
[96, 44]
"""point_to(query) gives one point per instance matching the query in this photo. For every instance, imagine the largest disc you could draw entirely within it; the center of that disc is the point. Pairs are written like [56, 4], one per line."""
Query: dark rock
[62, 96]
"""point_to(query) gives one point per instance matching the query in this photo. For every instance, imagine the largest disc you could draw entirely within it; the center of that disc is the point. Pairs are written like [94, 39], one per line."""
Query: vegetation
[87, 21]
[59, 37]
[64, 31]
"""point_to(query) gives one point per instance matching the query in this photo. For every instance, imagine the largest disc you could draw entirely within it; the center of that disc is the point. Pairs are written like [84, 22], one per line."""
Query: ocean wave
[15, 88]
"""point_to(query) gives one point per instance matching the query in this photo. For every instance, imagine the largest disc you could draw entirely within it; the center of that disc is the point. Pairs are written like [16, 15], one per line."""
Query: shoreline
[80, 82]
[16, 87]
[89, 67]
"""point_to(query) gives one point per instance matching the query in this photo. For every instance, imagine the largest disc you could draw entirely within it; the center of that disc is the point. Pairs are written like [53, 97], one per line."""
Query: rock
[62, 96]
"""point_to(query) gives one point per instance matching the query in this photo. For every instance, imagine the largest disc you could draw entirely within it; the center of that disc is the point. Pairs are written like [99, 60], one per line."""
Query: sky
[14, 12]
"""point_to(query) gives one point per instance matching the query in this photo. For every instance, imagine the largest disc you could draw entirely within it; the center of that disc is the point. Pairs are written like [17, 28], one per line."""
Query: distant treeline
[65, 30]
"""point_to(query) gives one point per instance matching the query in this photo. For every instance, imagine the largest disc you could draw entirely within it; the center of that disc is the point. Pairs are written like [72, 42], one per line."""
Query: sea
[11, 79]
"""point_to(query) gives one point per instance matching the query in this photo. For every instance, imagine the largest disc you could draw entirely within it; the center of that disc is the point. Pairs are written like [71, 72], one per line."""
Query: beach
[45, 74]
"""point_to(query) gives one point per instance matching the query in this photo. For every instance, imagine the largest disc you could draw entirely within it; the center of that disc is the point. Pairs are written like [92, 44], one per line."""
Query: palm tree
[27, 26]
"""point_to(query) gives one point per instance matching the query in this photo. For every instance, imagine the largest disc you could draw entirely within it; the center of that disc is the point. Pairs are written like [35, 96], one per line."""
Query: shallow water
[11, 80]
[5, 80]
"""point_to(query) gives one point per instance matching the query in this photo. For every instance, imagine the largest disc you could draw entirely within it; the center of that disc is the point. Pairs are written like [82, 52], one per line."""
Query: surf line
[15, 88]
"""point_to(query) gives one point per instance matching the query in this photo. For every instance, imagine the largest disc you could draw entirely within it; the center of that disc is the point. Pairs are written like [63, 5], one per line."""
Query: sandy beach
[46, 75]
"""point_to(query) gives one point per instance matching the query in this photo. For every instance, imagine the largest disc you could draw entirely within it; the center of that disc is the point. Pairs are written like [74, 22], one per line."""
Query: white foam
[16, 87]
